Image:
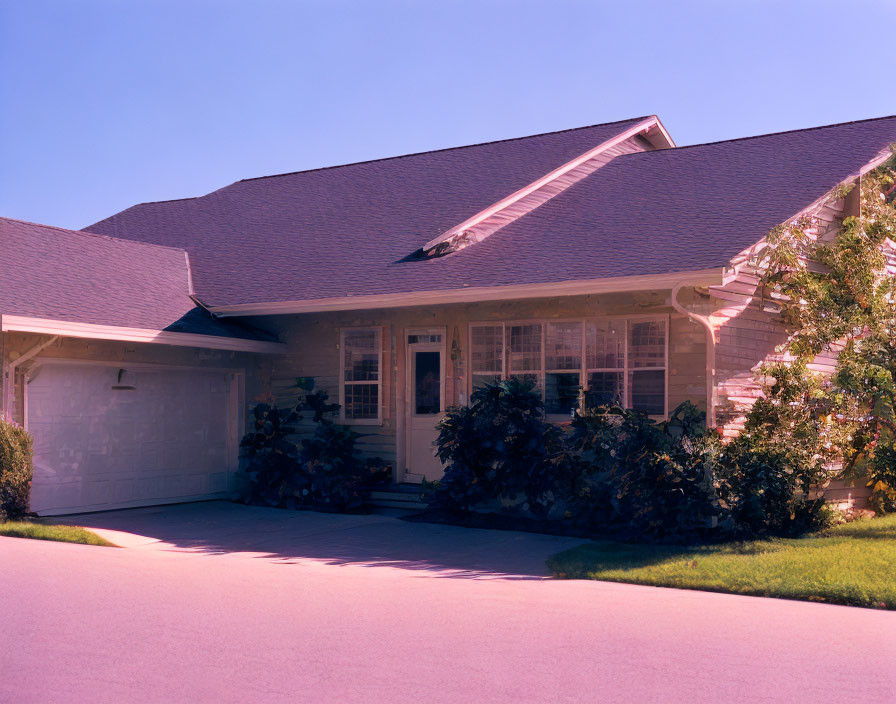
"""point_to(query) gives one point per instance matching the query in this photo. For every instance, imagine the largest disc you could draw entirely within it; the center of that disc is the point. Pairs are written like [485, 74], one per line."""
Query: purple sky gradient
[105, 103]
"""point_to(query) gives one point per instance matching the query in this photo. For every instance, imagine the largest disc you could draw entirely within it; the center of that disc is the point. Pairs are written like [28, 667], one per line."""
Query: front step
[399, 496]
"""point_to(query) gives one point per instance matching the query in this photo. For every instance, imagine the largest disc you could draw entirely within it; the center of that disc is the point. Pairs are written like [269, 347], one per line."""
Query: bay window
[577, 362]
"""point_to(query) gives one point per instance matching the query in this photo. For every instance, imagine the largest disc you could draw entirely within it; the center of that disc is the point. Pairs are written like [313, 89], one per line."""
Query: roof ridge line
[432, 151]
[771, 134]
[92, 234]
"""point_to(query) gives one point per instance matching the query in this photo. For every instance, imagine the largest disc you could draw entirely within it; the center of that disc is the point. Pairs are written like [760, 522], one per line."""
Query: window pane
[427, 383]
[414, 339]
[647, 391]
[524, 342]
[487, 348]
[648, 344]
[480, 380]
[362, 400]
[561, 393]
[604, 388]
[563, 346]
[534, 379]
[605, 344]
[361, 353]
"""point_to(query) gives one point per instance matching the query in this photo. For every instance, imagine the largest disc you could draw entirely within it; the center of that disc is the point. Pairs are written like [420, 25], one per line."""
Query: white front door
[426, 386]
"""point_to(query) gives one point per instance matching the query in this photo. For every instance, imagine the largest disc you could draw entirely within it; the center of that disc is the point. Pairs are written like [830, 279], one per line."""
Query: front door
[426, 385]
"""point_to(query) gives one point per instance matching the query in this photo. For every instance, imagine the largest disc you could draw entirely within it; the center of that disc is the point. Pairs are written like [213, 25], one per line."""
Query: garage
[107, 436]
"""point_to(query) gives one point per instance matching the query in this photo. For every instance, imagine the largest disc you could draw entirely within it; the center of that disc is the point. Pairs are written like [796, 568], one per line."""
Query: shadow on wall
[289, 537]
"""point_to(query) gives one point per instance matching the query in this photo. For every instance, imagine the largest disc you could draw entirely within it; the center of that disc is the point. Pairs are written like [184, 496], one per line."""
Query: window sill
[360, 421]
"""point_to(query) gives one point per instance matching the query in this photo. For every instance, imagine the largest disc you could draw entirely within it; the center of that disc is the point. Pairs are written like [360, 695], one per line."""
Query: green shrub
[882, 474]
[619, 470]
[770, 470]
[270, 459]
[766, 493]
[16, 470]
[323, 471]
[655, 480]
[335, 477]
[500, 447]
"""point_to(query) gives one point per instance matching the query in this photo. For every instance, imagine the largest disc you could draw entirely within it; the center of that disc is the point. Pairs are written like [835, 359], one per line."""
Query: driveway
[220, 527]
[223, 603]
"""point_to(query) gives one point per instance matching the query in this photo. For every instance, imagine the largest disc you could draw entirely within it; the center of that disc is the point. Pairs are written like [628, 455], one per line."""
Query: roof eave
[62, 328]
[619, 284]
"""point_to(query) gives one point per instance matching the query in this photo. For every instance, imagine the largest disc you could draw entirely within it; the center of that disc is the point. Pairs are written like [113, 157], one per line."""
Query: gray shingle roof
[338, 231]
[63, 275]
[345, 230]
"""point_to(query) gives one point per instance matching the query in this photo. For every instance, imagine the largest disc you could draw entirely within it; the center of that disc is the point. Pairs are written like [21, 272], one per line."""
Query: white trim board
[476, 294]
[15, 323]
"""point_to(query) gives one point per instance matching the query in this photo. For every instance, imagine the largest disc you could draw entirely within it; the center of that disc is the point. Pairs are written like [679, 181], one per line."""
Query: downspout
[710, 354]
[9, 378]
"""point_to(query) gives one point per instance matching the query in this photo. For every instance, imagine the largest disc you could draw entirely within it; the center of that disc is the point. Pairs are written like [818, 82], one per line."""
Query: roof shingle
[64, 275]
[344, 231]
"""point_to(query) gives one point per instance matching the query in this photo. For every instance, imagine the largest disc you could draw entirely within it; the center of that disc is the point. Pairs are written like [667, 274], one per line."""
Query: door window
[427, 383]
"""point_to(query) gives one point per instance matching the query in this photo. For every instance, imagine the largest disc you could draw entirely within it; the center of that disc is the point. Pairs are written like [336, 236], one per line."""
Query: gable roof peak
[446, 149]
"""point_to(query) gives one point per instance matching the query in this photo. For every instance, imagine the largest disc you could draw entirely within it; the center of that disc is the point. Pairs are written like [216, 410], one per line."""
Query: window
[647, 367]
[361, 374]
[563, 367]
[609, 360]
[524, 360]
[605, 362]
[486, 353]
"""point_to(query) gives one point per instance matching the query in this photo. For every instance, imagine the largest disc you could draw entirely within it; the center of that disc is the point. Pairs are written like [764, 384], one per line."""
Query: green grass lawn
[47, 531]
[852, 564]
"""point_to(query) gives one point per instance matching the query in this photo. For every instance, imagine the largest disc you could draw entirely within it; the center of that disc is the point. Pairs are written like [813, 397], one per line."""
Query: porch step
[398, 496]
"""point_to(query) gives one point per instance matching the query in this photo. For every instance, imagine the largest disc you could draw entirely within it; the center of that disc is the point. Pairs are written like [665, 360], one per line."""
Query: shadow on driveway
[290, 537]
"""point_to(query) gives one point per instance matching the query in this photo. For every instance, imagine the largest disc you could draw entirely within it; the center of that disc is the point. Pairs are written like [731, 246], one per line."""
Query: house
[604, 262]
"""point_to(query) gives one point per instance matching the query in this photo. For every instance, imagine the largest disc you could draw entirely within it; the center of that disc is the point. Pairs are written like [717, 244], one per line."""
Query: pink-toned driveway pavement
[223, 603]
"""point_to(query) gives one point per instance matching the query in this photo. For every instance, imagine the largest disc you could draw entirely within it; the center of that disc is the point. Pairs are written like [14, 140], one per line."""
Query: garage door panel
[96, 447]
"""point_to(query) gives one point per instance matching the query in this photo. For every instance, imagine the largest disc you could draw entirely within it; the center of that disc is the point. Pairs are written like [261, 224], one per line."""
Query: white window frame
[665, 368]
[470, 374]
[584, 370]
[560, 417]
[624, 320]
[378, 383]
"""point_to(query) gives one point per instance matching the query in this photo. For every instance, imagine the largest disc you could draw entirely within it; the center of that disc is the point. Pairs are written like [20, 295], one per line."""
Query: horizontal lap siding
[312, 341]
[749, 334]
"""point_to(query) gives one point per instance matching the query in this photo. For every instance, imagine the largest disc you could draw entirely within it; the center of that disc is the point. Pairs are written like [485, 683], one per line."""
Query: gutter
[476, 294]
[711, 396]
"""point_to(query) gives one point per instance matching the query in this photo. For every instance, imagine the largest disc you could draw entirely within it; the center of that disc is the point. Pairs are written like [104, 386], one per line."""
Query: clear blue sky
[106, 103]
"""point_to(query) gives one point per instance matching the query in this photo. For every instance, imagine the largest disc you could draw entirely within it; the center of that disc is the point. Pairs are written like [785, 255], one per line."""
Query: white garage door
[167, 436]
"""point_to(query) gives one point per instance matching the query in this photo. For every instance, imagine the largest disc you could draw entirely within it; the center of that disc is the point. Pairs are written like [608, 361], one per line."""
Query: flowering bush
[847, 295]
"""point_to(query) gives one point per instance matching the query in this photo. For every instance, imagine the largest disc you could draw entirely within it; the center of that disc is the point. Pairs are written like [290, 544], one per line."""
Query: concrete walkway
[220, 603]
[220, 527]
